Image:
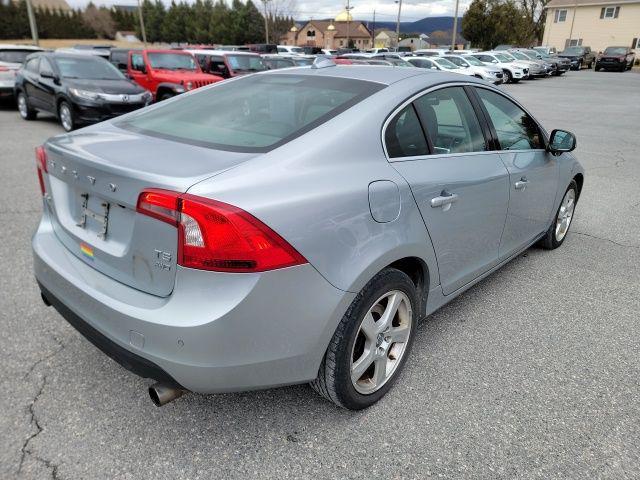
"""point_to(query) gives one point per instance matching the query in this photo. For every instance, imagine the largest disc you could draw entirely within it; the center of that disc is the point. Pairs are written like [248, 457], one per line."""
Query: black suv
[579, 57]
[78, 89]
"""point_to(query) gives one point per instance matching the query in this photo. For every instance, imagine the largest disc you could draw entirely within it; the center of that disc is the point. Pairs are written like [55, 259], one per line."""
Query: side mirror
[561, 141]
[48, 74]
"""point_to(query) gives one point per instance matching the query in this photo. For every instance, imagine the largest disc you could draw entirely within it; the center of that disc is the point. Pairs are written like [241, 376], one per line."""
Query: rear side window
[252, 114]
[450, 121]
[404, 136]
[515, 129]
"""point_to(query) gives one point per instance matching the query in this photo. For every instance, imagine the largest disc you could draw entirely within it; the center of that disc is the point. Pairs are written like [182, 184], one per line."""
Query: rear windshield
[172, 61]
[252, 114]
[14, 56]
[246, 63]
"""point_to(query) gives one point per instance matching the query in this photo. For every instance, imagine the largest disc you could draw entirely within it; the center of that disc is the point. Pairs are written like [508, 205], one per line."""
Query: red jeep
[166, 73]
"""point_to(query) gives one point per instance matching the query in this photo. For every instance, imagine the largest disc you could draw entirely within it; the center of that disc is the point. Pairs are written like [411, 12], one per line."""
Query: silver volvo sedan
[293, 226]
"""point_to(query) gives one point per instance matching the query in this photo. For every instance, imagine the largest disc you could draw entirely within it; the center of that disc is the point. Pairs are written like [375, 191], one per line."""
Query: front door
[461, 189]
[533, 173]
[138, 71]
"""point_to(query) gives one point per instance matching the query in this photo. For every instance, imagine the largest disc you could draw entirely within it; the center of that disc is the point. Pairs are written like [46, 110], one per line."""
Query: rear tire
[26, 112]
[363, 361]
[562, 221]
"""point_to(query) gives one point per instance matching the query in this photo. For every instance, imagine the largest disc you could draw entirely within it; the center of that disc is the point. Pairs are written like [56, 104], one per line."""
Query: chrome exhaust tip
[162, 394]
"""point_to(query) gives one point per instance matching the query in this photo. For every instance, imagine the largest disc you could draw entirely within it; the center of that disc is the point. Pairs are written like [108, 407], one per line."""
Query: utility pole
[373, 40]
[32, 23]
[266, 21]
[399, 2]
[455, 27]
[142, 30]
[348, 9]
[573, 19]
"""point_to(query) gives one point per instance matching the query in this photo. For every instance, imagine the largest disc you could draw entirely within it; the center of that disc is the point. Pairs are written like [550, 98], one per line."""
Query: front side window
[45, 66]
[256, 113]
[137, 62]
[515, 129]
[246, 63]
[404, 136]
[450, 121]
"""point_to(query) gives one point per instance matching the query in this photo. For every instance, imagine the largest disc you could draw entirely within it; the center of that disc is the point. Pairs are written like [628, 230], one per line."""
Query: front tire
[508, 78]
[166, 96]
[26, 112]
[371, 343]
[65, 114]
[562, 221]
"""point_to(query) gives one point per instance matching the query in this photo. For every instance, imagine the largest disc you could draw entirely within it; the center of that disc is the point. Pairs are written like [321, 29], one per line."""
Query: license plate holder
[102, 218]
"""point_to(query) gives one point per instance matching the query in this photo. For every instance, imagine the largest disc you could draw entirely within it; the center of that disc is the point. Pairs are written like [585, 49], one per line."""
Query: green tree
[488, 23]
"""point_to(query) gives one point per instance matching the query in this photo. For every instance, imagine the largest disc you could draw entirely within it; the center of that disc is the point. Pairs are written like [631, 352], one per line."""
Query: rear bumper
[216, 333]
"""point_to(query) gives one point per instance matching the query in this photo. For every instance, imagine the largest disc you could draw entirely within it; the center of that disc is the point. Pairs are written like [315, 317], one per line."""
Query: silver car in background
[477, 68]
[293, 226]
[11, 59]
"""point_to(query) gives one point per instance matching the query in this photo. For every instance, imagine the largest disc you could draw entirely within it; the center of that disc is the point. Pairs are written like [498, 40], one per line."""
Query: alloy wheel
[22, 106]
[65, 117]
[565, 214]
[381, 342]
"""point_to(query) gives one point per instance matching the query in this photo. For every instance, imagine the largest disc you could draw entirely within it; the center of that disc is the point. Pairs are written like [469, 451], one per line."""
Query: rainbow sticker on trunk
[86, 250]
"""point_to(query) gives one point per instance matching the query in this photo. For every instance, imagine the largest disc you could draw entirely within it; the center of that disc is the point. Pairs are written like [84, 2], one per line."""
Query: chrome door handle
[521, 184]
[444, 200]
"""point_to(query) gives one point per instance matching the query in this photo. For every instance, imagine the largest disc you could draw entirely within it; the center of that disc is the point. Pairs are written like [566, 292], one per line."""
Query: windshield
[14, 56]
[473, 61]
[91, 68]
[253, 114]
[246, 63]
[503, 58]
[446, 64]
[573, 51]
[519, 55]
[172, 61]
[296, 49]
[615, 51]
[397, 62]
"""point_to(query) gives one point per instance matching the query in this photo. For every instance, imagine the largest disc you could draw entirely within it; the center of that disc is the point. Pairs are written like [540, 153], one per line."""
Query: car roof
[385, 75]
[10, 46]
[211, 51]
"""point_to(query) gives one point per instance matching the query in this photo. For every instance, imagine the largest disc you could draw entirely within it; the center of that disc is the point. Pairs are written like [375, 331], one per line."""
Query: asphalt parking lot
[533, 373]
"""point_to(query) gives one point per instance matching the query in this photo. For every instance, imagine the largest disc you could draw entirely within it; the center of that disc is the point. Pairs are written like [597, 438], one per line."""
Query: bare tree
[278, 12]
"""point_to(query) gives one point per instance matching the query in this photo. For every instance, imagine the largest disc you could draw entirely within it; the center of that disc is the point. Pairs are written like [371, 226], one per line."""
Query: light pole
[142, 30]
[266, 21]
[399, 2]
[455, 27]
[32, 23]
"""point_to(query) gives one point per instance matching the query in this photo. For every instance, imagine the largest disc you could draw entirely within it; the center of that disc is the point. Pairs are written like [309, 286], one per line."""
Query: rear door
[460, 187]
[533, 172]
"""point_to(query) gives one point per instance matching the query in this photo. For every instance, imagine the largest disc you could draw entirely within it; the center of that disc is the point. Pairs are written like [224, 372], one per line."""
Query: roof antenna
[320, 62]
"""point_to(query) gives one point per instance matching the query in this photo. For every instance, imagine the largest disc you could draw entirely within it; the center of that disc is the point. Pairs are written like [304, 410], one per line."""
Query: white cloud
[386, 11]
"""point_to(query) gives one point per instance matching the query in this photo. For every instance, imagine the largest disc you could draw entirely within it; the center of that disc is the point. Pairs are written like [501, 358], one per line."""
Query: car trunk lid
[94, 179]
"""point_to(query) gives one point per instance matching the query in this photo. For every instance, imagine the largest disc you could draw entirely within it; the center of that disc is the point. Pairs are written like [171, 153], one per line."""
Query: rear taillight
[4, 69]
[216, 236]
[41, 166]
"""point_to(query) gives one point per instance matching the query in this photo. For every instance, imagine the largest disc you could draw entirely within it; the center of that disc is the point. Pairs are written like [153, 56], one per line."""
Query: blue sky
[386, 10]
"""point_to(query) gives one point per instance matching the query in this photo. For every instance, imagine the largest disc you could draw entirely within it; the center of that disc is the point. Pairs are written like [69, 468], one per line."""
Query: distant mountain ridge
[426, 25]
